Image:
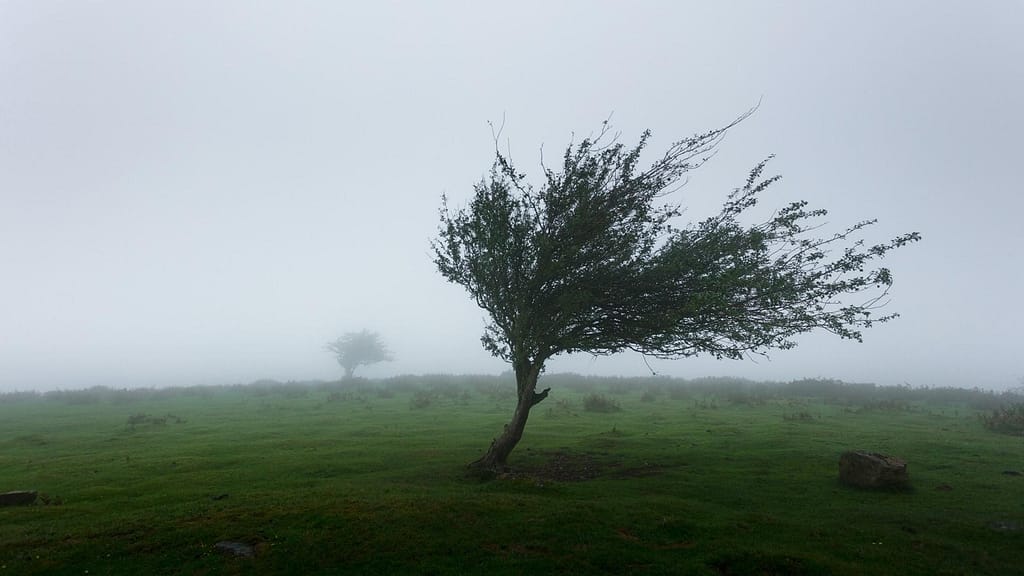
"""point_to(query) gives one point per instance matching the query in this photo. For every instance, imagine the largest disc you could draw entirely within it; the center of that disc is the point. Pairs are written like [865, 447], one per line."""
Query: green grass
[370, 481]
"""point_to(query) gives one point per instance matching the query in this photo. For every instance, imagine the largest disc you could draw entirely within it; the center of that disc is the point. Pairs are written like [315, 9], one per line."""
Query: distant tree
[591, 261]
[355, 349]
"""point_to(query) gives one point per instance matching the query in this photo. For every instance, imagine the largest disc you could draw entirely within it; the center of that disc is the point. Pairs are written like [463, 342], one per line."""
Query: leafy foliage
[591, 261]
[356, 349]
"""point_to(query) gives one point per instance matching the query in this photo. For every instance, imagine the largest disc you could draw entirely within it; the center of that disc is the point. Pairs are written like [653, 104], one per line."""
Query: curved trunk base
[486, 469]
[495, 460]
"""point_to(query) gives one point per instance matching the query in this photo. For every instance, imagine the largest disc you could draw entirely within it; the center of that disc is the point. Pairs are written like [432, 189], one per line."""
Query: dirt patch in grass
[569, 466]
[645, 470]
[507, 550]
[562, 466]
[742, 564]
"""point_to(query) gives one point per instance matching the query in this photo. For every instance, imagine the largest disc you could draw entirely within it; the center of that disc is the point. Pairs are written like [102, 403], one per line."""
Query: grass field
[684, 478]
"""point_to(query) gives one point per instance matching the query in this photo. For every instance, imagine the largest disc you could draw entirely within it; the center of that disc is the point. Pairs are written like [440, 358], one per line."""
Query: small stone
[943, 487]
[1005, 526]
[220, 496]
[1013, 473]
[18, 498]
[238, 549]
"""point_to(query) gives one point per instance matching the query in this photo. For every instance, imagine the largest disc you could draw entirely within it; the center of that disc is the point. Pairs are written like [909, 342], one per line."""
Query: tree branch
[538, 398]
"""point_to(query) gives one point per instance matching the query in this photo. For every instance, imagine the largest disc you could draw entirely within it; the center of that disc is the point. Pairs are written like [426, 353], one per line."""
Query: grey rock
[872, 470]
[18, 498]
[239, 549]
[1005, 526]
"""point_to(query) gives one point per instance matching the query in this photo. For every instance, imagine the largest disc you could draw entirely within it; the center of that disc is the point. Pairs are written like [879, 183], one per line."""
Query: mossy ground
[370, 480]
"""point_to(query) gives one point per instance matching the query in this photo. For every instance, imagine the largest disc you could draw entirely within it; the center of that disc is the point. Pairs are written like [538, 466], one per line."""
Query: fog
[208, 193]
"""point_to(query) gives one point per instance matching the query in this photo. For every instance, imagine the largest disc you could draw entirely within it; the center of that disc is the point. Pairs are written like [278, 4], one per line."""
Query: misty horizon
[197, 194]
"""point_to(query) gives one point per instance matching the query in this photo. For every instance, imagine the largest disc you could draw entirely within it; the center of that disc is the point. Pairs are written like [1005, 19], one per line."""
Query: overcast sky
[200, 192]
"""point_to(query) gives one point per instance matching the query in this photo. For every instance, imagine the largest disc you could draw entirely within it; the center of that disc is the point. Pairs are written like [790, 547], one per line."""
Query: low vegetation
[600, 403]
[710, 476]
[1008, 419]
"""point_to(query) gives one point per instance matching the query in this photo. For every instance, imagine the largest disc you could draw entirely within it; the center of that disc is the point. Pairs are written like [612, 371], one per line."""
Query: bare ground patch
[569, 466]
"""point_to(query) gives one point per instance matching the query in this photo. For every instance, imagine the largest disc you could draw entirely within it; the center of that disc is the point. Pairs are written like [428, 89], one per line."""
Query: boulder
[872, 470]
[18, 498]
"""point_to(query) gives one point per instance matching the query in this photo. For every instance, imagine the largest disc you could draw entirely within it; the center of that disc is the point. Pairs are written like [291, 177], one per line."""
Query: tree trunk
[496, 458]
[349, 372]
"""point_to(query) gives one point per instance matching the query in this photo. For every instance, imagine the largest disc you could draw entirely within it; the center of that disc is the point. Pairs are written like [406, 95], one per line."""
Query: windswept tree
[592, 261]
[356, 349]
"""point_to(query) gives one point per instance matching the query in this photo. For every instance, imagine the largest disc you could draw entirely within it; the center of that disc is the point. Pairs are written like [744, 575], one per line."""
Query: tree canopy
[593, 261]
[355, 349]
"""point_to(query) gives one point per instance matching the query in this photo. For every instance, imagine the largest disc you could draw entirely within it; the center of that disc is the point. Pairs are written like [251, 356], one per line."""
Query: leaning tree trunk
[496, 458]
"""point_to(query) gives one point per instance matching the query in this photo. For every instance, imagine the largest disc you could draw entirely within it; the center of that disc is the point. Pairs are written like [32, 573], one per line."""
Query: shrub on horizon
[600, 403]
[1006, 419]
